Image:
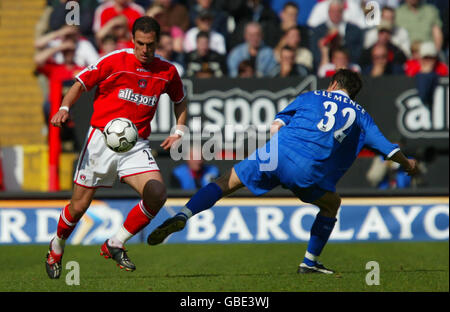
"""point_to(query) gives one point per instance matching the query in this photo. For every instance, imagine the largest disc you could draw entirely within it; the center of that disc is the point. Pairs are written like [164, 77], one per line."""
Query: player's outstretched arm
[71, 97]
[410, 165]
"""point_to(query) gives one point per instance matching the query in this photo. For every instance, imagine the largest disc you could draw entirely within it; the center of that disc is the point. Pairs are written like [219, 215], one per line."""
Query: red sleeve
[47, 69]
[95, 73]
[442, 69]
[175, 88]
[412, 67]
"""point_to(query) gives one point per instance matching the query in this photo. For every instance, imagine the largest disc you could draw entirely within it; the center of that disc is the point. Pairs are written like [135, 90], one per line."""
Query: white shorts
[99, 166]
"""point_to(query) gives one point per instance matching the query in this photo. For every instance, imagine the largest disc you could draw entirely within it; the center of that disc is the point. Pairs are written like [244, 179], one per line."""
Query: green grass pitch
[404, 267]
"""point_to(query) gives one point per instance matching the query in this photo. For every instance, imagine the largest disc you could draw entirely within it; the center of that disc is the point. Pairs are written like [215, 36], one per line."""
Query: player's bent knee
[155, 194]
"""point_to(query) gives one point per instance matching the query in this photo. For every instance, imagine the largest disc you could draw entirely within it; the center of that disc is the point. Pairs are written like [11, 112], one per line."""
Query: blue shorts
[261, 181]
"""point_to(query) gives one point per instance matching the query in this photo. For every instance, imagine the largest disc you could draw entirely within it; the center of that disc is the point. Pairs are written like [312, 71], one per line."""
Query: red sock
[138, 218]
[66, 224]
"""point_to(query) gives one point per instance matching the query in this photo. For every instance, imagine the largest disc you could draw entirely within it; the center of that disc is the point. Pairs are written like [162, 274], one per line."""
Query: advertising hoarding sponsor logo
[417, 120]
[229, 104]
[236, 223]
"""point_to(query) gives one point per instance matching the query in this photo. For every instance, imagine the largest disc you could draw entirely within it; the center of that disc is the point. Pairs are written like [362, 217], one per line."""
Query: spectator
[288, 20]
[428, 62]
[245, 11]
[337, 32]
[85, 52]
[352, 12]
[443, 8]
[220, 20]
[287, 66]
[177, 14]
[203, 61]
[395, 54]
[118, 28]
[204, 22]
[399, 35]
[246, 69]
[161, 15]
[44, 60]
[194, 173]
[380, 65]
[335, 59]
[292, 38]
[305, 7]
[107, 45]
[422, 22]
[65, 73]
[110, 9]
[426, 70]
[252, 49]
[165, 49]
[415, 49]
[288, 16]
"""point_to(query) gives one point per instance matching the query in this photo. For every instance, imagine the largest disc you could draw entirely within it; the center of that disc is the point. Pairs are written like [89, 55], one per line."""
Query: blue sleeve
[374, 138]
[286, 114]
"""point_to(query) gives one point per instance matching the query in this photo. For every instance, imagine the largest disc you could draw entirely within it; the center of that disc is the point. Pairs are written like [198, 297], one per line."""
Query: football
[120, 135]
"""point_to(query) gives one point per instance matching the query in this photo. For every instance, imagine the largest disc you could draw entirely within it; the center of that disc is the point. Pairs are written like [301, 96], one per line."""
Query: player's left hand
[169, 141]
[413, 167]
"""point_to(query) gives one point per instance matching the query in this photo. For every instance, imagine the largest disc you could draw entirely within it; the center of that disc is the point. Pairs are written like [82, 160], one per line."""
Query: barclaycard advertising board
[236, 220]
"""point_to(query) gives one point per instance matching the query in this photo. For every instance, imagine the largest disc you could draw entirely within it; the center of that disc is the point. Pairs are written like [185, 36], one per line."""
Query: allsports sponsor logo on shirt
[130, 95]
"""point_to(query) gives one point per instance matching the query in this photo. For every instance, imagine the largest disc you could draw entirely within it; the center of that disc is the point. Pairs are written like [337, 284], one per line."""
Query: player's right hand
[413, 169]
[59, 118]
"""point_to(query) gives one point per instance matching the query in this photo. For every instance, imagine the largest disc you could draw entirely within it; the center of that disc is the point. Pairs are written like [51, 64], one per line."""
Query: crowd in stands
[256, 38]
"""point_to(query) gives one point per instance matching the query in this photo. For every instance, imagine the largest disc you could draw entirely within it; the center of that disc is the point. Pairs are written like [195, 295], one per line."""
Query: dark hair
[339, 49]
[147, 24]
[388, 8]
[289, 48]
[165, 34]
[244, 65]
[348, 80]
[109, 37]
[292, 4]
[204, 34]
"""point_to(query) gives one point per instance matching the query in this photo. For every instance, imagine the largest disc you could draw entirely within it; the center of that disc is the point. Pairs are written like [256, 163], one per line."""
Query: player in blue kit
[317, 138]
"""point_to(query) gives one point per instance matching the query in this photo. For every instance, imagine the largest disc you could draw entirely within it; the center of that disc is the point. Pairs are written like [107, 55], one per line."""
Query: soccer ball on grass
[120, 135]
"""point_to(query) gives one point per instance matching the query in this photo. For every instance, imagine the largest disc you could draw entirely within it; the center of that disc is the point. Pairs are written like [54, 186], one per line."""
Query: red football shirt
[127, 88]
[412, 68]
[61, 72]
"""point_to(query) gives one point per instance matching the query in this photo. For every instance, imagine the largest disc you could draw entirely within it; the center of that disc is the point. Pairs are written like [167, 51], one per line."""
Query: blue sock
[204, 199]
[320, 232]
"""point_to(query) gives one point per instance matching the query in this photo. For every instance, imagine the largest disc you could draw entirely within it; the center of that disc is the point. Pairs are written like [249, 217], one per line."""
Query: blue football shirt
[322, 135]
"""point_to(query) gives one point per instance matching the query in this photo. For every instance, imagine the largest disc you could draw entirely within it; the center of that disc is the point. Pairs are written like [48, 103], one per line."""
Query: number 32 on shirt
[331, 109]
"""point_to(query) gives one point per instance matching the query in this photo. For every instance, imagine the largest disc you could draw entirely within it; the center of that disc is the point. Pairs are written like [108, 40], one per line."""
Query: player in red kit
[129, 83]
